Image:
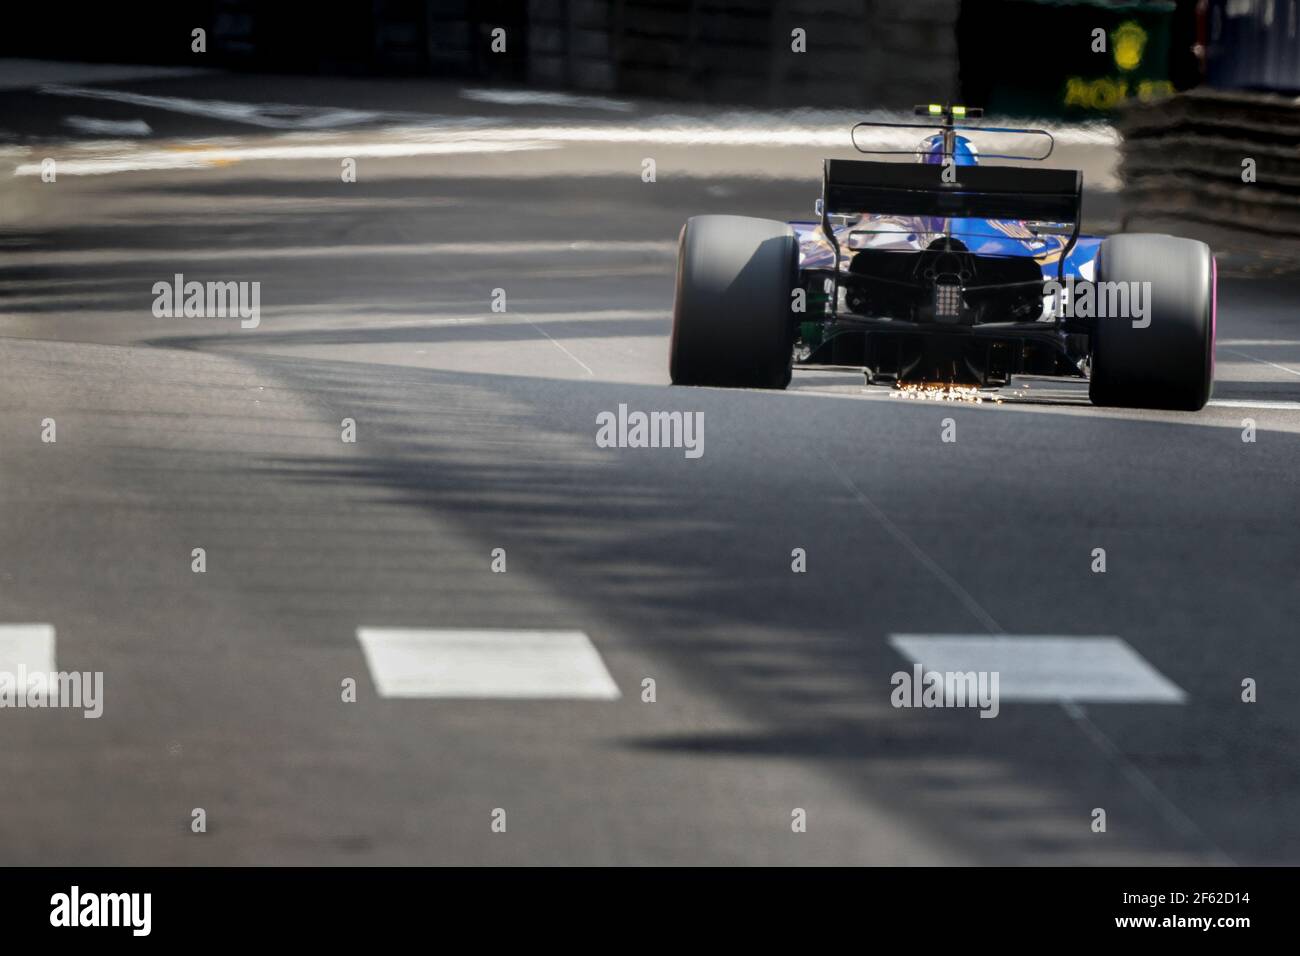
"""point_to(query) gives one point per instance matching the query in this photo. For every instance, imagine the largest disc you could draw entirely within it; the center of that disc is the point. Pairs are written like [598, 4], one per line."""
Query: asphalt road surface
[475, 430]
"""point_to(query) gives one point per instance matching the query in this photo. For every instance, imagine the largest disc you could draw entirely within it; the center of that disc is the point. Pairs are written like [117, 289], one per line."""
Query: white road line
[897, 533]
[29, 646]
[1261, 361]
[267, 115]
[581, 247]
[1047, 668]
[536, 98]
[201, 158]
[560, 347]
[1244, 403]
[828, 128]
[485, 664]
[1245, 343]
[332, 314]
[311, 133]
[106, 127]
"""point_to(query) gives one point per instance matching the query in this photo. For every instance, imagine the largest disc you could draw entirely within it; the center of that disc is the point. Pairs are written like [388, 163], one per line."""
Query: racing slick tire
[732, 319]
[1168, 363]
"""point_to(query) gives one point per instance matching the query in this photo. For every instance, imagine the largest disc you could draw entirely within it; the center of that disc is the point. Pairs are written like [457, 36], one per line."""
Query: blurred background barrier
[1224, 157]
[1227, 152]
[772, 52]
[1024, 57]
[1197, 86]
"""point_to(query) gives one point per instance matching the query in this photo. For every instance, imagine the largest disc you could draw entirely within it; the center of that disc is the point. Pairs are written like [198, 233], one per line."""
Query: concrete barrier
[1229, 158]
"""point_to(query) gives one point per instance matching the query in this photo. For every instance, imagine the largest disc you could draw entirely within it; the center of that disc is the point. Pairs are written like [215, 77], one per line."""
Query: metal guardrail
[1190, 157]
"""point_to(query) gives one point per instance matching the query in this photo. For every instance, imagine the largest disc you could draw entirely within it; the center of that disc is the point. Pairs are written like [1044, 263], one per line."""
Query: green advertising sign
[1070, 60]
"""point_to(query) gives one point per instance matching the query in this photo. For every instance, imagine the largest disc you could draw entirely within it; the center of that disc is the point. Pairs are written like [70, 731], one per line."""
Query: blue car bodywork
[985, 237]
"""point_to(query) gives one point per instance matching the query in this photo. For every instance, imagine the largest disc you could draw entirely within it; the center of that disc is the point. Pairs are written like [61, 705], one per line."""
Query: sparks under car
[946, 271]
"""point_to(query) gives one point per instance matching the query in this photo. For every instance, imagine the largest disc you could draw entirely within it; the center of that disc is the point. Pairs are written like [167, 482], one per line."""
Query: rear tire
[1170, 362]
[732, 320]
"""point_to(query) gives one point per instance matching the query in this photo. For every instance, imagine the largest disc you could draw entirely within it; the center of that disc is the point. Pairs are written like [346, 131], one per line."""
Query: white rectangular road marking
[412, 662]
[26, 646]
[1046, 668]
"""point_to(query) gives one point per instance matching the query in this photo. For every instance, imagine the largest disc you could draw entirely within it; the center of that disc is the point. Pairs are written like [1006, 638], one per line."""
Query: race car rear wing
[1030, 194]
[1027, 194]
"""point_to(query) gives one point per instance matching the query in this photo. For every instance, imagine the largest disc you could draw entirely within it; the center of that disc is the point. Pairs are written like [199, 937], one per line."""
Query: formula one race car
[946, 271]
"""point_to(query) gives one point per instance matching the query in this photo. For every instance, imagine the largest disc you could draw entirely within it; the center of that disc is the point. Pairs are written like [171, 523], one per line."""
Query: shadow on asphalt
[695, 563]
